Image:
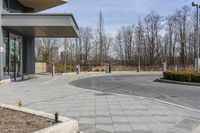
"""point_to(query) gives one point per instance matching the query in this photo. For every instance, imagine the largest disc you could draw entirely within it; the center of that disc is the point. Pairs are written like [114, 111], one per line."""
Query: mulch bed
[18, 122]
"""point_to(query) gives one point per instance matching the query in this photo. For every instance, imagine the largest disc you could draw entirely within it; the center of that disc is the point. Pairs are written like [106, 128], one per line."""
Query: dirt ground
[18, 122]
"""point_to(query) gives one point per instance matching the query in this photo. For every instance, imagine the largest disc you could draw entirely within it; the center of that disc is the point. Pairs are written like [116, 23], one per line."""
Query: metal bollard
[110, 69]
[53, 70]
[78, 69]
[56, 117]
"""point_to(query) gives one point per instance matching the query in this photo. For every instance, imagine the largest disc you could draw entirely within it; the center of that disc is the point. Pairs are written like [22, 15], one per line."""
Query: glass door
[6, 54]
[15, 57]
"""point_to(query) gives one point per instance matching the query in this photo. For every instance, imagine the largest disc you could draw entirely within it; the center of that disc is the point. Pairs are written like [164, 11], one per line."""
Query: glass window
[5, 5]
[15, 56]
[6, 53]
[12, 6]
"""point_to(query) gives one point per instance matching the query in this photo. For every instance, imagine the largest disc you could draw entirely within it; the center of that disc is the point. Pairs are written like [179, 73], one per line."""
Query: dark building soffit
[42, 25]
[40, 5]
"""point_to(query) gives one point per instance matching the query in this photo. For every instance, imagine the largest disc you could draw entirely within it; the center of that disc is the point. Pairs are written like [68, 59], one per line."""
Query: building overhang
[39, 5]
[41, 25]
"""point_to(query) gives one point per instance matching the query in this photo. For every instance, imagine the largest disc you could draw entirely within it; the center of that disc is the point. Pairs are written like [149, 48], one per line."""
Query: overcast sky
[116, 12]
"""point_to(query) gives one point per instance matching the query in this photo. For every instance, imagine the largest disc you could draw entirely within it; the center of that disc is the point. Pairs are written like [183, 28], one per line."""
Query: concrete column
[1, 43]
[30, 55]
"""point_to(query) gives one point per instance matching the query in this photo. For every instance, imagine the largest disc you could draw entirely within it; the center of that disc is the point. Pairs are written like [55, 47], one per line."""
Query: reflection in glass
[15, 56]
[6, 54]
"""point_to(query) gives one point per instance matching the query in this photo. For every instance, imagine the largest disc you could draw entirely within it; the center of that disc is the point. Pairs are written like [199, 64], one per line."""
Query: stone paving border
[141, 97]
[66, 126]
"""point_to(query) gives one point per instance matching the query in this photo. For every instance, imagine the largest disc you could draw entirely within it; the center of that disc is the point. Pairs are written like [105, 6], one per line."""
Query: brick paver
[96, 111]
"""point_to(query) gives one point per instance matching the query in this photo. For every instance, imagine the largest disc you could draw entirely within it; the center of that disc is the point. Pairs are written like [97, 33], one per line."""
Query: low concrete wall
[66, 126]
[40, 67]
[5, 81]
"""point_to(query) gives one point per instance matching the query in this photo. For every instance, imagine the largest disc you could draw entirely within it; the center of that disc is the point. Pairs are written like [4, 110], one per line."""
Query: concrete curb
[177, 82]
[66, 126]
[109, 74]
[140, 97]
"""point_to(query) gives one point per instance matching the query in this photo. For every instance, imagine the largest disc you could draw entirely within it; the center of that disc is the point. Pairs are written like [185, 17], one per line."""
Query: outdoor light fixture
[194, 3]
[197, 60]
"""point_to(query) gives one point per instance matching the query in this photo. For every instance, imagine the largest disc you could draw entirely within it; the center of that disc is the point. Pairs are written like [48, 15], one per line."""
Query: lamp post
[194, 4]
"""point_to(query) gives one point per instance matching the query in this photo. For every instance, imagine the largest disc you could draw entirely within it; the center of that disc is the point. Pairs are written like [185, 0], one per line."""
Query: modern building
[20, 23]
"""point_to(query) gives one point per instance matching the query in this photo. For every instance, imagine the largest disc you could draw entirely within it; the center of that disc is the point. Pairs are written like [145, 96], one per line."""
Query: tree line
[153, 40]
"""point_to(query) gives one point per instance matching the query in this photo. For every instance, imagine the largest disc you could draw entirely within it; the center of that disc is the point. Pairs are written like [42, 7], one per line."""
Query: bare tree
[182, 16]
[46, 49]
[101, 33]
[171, 39]
[139, 38]
[150, 42]
[119, 47]
[124, 44]
[107, 45]
[87, 39]
[153, 28]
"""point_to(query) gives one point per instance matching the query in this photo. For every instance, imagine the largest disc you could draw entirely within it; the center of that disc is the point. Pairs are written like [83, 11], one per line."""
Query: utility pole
[197, 61]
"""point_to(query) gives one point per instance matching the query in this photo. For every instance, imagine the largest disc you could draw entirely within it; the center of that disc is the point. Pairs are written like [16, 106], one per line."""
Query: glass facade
[6, 53]
[13, 6]
[5, 4]
[13, 55]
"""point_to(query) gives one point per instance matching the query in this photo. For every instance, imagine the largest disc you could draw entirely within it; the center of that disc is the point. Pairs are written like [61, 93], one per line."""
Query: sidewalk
[97, 111]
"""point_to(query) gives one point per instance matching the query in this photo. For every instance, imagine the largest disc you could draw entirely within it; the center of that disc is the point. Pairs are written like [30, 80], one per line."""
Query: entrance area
[15, 57]
[13, 66]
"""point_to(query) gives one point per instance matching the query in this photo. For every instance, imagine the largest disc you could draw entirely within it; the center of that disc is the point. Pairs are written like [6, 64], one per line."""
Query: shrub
[59, 68]
[196, 77]
[182, 76]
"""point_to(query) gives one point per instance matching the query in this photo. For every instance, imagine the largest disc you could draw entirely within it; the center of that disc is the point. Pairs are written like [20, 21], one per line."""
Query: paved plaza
[99, 112]
[143, 84]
